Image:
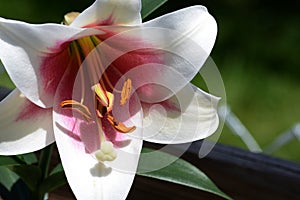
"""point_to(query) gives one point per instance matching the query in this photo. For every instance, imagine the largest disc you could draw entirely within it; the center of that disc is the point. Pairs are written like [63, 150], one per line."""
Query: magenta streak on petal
[31, 111]
[68, 132]
[52, 69]
[129, 61]
[84, 135]
[70, 127]
[111, 134]
[89, 135]
[106, 22]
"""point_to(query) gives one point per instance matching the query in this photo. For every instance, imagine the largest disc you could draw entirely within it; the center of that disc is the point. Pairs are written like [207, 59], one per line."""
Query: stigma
[100, 112]
[106, 152]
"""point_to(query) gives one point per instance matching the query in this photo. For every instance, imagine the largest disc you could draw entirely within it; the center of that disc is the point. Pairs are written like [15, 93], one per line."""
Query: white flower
[111, 111]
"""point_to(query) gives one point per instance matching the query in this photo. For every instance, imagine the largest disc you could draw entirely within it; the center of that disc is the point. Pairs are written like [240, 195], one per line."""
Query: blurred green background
[257, 53]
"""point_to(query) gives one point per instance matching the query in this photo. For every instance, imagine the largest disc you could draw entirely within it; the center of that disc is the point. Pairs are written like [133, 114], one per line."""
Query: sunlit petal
[90, 179]
[188, 116]
[24, 126]
[35, 56]
[110, 12]
[193, 22]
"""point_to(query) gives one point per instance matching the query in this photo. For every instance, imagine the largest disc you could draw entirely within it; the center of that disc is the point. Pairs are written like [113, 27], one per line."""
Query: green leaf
[52, 182]
[57, 168]
[7, 177]
[179, 171]
[29, 158]
[5, 81]
[45, 159]
[10, 161]
[2, 70]
[149, 6]
[30, 174]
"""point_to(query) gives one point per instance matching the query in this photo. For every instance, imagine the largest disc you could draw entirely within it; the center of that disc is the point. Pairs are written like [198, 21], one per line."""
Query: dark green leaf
[179, 171]
[29, 158]
[44, 160]
[57, 168]
[5, 81]
[149, 6]
[10, 160]
[7, 177]
[19, 191]
[30, 174]
[52, 182]
[2, 70]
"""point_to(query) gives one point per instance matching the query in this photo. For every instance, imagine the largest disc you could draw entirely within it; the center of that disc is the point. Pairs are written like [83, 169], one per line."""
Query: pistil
[79, 50]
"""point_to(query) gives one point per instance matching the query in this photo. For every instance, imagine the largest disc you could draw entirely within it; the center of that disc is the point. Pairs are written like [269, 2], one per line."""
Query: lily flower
[101, 83]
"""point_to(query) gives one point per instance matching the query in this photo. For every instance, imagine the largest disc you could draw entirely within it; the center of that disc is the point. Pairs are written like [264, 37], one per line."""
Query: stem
[44, 163]
[45, 159]
[37, 196]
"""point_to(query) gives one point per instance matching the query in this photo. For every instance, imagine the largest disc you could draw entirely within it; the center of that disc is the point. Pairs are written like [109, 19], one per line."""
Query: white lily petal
[29, 53]
[166, 52]
[146, 56]
[88, 178]
[24, 126]
[108, 12]
[77, 141]
[189, 115]
[193, 22]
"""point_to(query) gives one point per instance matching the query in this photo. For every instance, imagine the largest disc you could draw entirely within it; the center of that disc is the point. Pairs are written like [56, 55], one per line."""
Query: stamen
[105, 100]
[118, 126]
[82, 109]
[70, 17]
[126, 90]
[106, 152]
[101, 110]
[110, 97]
[101, 94]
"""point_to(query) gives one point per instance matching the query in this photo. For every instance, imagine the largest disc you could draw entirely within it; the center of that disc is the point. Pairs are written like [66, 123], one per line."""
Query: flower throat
[79, 50]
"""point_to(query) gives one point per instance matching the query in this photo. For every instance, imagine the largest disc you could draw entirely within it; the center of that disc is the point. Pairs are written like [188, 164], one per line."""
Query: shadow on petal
[89, 135]
[118, 139]
[100, 170]
[68, 132]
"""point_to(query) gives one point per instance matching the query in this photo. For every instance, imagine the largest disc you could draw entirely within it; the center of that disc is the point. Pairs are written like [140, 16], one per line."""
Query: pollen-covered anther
[118, 126]
[70, 17]
[106, 152]
[100, 94]
[126, 90]
[80, 108]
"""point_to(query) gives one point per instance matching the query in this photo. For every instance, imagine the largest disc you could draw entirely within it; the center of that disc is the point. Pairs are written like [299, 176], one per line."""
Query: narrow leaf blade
[52, 182]
[30, 174]
[10, 161]
[180, 172]
[7, 177]
[2, 70]
[57, 168]
[150, 6]
[29, 158]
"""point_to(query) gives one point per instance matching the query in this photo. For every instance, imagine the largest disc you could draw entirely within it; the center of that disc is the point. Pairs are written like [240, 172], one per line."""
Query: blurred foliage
[256, 51]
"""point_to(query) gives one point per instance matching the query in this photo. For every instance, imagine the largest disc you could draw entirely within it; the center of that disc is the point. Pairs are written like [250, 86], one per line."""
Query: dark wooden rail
[239, 173]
